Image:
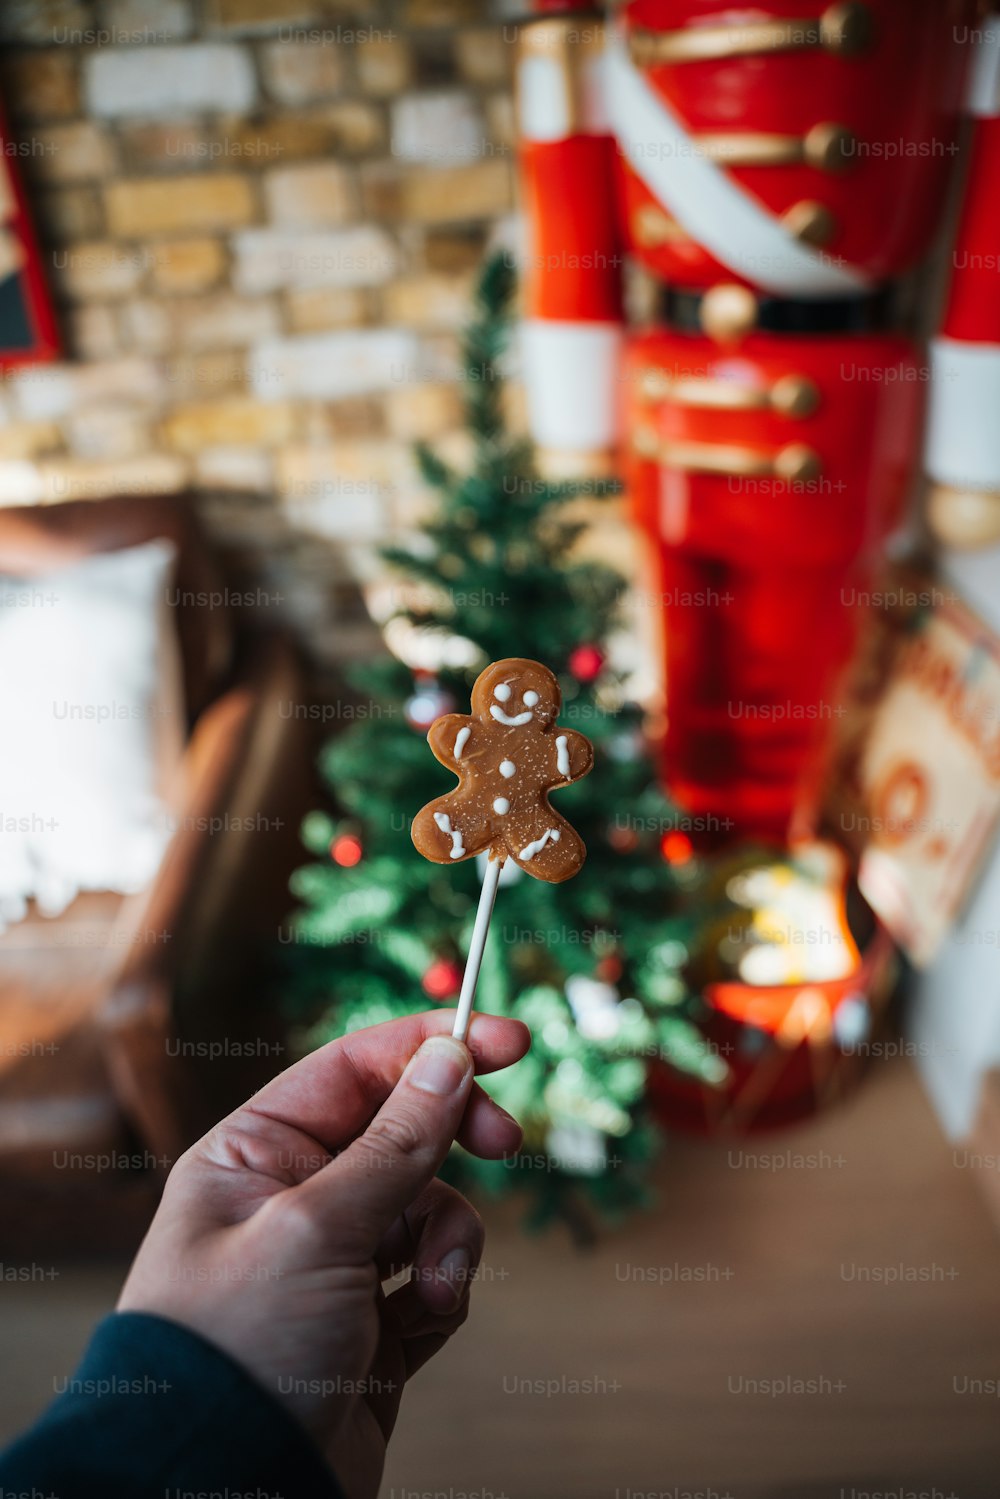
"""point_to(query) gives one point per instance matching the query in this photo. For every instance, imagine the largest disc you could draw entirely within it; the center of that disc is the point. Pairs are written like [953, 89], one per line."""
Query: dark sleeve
[153, 1408]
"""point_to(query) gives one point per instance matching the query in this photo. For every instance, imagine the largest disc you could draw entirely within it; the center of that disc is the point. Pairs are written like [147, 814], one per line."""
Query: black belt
[872, 312]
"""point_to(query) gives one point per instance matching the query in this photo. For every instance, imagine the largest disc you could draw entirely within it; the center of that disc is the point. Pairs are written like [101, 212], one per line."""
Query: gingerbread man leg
[544, 844]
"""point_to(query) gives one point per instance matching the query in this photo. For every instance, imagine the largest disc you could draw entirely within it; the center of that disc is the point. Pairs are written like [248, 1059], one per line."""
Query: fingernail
[440, 1066]
[453, 1270]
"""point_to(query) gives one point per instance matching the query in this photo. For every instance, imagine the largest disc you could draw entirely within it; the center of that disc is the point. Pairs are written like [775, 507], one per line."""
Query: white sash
[706, 201]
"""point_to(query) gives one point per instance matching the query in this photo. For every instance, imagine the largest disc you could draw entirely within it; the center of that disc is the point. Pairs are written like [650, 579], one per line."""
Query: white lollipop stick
[487, 896]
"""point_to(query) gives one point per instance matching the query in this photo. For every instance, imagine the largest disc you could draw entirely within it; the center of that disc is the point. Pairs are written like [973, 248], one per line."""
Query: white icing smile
[516, 720]
[512, 723]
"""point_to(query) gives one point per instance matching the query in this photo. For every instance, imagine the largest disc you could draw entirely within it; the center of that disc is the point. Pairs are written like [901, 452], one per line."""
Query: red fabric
[900, 96]
[574, 253]
[760, 584]
[973, 311]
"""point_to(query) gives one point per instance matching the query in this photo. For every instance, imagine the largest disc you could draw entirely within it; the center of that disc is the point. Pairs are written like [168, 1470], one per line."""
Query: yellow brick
[381, 190]
[99, 270]
[72, 153]
[383, 64]
[26, 440]
[454, 249]
[501, 123]
[428, 301]
[229, 423]
[441, 195]
[176, 145]
[186, 265]
[317, 308]
[203, 377]
[357, 416]
[278, 138]
[317, 193]
[175, 205]
[352, 126]
[484, 55]
[42, 85]
[423, 411]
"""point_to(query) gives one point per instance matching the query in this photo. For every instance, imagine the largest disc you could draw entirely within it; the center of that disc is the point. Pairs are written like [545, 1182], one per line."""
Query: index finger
[334, 1092]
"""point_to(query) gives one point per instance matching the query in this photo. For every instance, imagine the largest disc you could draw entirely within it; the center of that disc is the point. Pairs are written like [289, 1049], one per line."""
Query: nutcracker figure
[777, 171]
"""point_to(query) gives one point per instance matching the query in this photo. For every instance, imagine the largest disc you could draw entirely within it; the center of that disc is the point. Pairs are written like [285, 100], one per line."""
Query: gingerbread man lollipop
[508, 753]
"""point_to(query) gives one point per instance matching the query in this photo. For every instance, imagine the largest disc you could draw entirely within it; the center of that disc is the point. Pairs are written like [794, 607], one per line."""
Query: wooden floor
[626, 1372]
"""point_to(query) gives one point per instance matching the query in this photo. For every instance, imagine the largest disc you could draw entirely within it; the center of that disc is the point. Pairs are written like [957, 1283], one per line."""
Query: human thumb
[380, 1173]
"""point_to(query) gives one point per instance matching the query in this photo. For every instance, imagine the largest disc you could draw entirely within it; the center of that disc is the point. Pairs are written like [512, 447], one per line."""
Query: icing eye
[502, 693]
[530, 699]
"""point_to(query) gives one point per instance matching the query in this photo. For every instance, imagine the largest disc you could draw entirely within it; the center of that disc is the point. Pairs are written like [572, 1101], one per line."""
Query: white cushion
[91, 728]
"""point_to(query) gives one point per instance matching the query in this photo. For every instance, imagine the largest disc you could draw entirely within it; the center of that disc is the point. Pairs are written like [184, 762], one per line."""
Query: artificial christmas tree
[594, 967]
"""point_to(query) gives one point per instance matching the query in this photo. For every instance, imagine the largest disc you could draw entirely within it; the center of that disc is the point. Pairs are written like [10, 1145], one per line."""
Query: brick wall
[260, 220]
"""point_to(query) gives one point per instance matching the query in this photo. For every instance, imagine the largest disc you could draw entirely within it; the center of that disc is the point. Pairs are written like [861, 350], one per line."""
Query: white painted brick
[44, 21]
[326, 366]
[239, 468]
[340, 492]
[20, 483]
[44, 392]
[298, 71]
[443, 127]
[144, 21]
[271, 259]
[93, 331]
[224, 321]
[107, 432]
[85, 479]
[309, 195]
[147, 326]
[164, 82]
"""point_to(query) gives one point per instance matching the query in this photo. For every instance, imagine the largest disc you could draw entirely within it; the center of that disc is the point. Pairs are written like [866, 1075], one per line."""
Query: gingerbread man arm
[574, 757]
[449, 738]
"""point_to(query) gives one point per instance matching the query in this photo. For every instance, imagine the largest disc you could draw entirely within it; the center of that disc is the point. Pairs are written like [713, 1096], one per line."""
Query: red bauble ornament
[442, 979]
[609, 969]
[676, 848]
[586, 662]
[346, 850]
